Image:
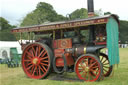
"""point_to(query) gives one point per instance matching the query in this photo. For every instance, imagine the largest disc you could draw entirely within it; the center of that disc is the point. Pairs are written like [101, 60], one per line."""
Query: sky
[15, 10]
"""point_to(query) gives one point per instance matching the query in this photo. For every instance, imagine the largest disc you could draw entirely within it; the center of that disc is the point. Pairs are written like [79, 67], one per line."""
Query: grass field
[16, 76]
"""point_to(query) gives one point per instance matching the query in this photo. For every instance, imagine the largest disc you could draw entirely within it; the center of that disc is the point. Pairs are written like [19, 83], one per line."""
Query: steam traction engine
[70, 46]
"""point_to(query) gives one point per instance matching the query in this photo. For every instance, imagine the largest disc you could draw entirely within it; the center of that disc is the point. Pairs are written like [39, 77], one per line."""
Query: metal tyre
[37, 60]
[87, 64]
[107, 69]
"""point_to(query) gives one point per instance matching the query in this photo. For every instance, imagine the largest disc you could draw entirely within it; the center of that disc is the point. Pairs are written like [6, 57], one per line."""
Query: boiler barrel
[78, 50]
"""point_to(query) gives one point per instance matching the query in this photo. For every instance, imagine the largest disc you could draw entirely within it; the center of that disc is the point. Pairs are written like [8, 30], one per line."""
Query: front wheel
[86, 65]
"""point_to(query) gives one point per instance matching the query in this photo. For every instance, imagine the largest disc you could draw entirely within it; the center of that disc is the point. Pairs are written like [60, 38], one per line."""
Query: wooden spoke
[29, 64]
[44, 58]
[87, 62]
[39, 49]
[39, 70]
[93, 73]
[104, 70]
[93, 64]
[34, 70]
[105, 67]
[45, 61]
[84, 74]
[44, 68]
[30, 58]
[89, 78]
[104, 61]
[29, 54]
[44, 54]
[32, 53]
[94, 67]
[82, 66]
[41, 53]
[33, 50]
[81, 70]
[29, 67]
[106, 64]
[36, 53]
[101, 58]
[44, 64]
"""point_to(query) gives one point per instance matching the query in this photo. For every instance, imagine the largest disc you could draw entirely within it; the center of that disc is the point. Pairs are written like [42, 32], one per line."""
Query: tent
[5, 48]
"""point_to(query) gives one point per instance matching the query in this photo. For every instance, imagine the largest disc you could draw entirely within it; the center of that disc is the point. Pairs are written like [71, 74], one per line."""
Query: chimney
[90, 8]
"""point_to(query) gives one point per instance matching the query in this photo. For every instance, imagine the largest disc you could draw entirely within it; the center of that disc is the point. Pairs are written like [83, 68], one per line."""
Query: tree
[123, 31]
[107, 13]
[79, 14]
[4, 24]
[5, 32]
[44, 12]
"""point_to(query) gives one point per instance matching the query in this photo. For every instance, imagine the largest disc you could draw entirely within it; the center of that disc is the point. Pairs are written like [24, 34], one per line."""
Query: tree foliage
[44, 12]
[5, 31]
[4, 24]
[79, 14]
[123, 31]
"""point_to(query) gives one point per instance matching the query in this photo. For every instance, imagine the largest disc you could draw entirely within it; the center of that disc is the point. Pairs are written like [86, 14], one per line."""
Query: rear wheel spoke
[45, 61]
[34, 71]
[36, 53]
[44, 64]
[29, 54]
[29, 67]
[44, 68]
[41, 53]
[44, 58]
[33, 50]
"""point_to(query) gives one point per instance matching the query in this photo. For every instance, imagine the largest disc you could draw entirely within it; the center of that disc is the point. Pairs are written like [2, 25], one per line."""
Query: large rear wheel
[86, 65]
[37, 60]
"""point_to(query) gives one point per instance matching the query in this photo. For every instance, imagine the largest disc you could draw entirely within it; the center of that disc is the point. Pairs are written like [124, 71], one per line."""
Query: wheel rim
[35, 61]
[87, 65]
[106, 66]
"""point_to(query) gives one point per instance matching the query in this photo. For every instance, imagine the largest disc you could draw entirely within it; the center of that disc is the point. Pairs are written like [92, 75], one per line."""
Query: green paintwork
[112, 41]
[16, 57]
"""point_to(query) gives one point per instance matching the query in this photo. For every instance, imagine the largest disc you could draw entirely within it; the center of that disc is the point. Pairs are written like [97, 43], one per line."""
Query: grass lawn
[16, 76]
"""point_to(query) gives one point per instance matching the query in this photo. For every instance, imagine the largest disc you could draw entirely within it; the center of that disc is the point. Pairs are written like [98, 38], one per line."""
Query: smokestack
[90, 8]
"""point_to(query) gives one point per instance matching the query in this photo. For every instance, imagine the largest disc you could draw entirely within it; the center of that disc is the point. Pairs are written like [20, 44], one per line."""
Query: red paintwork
[54, 44]
[58, 53]
[34, 64]
[59, 61]
[62, 43]
[66, 25]
[69, 59]
[94, 69]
